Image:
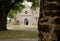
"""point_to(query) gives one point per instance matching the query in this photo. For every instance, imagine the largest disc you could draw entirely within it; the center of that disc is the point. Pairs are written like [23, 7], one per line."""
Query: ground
[19, 39]
[23, 27]
[19, 33]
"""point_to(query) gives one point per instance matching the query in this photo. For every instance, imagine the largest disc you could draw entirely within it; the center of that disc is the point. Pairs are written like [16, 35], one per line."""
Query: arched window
[25, 12]
[25, 21]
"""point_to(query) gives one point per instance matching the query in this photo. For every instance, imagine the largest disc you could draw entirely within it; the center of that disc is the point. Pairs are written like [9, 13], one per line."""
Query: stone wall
[32, 16]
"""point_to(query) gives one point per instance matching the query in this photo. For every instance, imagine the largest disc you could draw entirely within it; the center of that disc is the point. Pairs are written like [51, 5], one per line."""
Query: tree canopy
[19, 7]
[35, 3]
[13, 11]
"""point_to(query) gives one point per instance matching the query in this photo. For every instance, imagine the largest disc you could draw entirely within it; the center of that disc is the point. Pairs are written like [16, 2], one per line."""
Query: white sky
[28, 3]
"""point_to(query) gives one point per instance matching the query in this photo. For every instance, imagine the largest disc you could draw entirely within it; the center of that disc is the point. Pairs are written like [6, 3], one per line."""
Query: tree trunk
[5, 7]
[3, 21]
[49, 20]
[4, 10]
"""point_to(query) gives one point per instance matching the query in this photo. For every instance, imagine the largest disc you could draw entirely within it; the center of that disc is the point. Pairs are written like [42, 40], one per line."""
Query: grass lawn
[18, 34]
[22, 27]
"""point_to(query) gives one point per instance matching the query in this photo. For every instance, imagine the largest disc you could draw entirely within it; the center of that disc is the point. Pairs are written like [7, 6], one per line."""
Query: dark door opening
[26, 21]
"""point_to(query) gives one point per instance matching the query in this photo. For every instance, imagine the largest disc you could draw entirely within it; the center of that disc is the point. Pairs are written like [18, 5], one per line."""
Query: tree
[49, 20]
[14, 10]
[35, 4]
[12, 14]
[5, 7]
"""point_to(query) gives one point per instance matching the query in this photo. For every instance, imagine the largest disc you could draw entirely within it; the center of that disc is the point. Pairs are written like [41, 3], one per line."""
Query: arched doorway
[25, 21]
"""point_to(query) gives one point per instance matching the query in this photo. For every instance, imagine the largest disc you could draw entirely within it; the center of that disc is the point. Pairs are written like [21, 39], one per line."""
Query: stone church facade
[28, 16]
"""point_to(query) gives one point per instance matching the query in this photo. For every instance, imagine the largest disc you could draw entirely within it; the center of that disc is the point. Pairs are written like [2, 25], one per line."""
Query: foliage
[18, 7]
[36, 3]
[12, 14]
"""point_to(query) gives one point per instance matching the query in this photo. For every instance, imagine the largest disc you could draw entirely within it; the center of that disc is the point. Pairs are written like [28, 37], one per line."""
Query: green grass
[22, 27]
[19, 26]
[18, 34]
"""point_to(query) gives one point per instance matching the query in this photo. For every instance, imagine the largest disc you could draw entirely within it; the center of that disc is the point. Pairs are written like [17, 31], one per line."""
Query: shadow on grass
[18, 34]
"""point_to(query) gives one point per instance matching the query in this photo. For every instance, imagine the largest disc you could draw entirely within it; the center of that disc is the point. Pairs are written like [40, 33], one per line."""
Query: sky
[28, 3]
